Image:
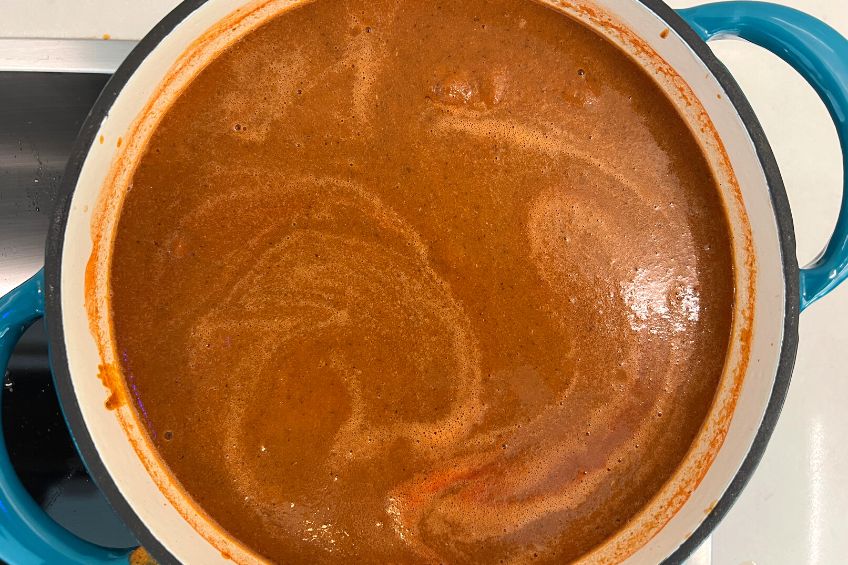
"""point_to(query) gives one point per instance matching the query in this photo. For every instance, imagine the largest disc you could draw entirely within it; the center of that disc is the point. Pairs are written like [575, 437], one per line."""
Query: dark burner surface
[40, 114]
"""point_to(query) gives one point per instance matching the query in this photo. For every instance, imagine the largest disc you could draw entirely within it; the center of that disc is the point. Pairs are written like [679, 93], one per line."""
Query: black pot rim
[55, 242]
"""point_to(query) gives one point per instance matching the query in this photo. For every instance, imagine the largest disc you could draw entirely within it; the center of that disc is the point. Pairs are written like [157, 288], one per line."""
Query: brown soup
[422, 282]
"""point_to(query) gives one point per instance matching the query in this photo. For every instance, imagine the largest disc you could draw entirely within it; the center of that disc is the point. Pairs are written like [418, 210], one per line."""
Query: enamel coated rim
[55, 241]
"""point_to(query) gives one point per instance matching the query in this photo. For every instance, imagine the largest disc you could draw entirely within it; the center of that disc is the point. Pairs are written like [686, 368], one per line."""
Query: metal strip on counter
[63, 55]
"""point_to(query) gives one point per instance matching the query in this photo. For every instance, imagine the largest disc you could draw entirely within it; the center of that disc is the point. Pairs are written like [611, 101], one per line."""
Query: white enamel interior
[181, 538]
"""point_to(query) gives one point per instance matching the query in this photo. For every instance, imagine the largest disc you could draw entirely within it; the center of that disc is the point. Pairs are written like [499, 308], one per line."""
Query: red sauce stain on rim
[139, 556]
[110, 376]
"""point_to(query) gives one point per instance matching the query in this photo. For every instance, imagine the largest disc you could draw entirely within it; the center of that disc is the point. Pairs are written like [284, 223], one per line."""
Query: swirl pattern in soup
[422, 282]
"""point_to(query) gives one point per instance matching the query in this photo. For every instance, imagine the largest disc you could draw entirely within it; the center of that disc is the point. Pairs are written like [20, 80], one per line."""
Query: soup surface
[422, 282]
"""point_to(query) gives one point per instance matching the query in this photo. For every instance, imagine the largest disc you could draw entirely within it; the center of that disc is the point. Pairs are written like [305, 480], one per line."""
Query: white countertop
[794, 510]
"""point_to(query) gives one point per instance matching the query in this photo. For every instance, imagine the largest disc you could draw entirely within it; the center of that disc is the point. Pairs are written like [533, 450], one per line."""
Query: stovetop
[793, 511]
[40, 114]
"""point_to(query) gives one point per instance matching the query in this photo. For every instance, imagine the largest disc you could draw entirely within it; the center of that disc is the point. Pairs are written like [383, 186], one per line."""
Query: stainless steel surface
[40, 114]
[63, 55]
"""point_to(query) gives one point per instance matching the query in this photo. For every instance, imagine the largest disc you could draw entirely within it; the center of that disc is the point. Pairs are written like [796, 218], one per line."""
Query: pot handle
[27, 534]
[820, 54]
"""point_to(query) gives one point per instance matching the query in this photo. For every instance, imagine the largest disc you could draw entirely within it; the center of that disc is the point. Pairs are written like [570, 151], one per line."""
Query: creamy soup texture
[422, 282]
